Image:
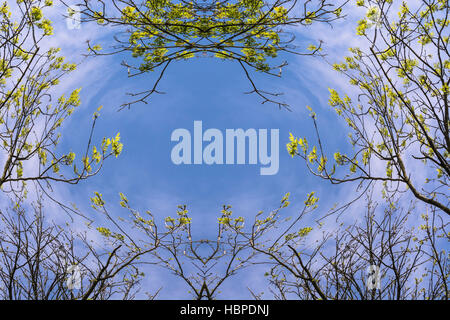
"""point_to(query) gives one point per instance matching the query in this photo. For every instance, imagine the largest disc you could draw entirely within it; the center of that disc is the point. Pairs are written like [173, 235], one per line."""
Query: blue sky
[212, 91]
[209, 90]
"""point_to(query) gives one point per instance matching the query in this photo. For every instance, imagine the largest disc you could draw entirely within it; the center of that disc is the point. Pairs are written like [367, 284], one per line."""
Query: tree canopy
[250, 32]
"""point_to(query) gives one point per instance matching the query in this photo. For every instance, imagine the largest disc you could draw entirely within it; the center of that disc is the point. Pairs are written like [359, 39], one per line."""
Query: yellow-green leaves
[322, 164]
[107, 233]
[95, 48]
[292, 146]
[74, 99]
[36, 13]
[69, 66]
[279, 14]
[70, 158]
[294, 143]
[362, 27]
[304, 231]
[116, 146]
[46, 26]
[373, 14]
[98, 15]
[123, 200]
[37, 17]
[406, 68]
[334, 99]
[182, 221]
[366, 156]
[97, 200]
[339, 158]
[4, 10]
[129, 14]
[96, 156]
[226, 213]
[86, 164]
[311, 200]
[389, 53]
[285, 200]
[226, 219]
[312, 156]
[171, 29]
[19, 169]
[104, 231]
